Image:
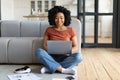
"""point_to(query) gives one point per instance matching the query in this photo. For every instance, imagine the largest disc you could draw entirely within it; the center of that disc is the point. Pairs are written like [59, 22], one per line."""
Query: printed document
[26, 76]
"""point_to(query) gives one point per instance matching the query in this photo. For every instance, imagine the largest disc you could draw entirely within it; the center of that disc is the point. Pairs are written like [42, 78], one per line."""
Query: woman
[59, 17]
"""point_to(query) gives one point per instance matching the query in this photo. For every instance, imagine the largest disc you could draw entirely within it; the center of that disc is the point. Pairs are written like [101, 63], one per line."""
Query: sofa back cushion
[44, 25]
[30, 29]
[10, 28]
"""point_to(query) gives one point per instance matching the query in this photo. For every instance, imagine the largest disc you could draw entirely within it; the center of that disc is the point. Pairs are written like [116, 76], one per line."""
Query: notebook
[59, 47]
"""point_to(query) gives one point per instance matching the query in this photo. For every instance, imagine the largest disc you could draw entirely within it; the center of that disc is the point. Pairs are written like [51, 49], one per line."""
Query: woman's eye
[56, 18]
[62, 17]
[59, 18]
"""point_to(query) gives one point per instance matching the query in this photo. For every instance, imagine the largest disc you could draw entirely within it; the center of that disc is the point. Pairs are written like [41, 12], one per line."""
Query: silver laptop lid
[59, 47]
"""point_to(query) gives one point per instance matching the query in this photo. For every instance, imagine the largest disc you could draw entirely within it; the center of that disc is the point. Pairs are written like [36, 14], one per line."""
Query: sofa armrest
[3, 50]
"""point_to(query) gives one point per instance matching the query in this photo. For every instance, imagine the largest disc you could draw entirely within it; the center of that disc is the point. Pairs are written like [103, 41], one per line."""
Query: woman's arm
[74, 44]
[45, 42]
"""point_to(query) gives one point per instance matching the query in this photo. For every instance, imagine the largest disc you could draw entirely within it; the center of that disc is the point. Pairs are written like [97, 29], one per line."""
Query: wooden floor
[99, 64]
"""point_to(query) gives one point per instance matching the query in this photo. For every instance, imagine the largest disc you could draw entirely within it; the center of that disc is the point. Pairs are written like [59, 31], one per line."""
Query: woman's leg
[50, 63]
[71, 60]
[47, 60]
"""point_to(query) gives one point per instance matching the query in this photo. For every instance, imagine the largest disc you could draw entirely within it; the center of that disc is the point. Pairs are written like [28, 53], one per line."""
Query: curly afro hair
[53, 11]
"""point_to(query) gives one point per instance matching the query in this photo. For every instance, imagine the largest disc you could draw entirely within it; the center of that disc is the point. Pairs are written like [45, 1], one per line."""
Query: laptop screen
[59, 47]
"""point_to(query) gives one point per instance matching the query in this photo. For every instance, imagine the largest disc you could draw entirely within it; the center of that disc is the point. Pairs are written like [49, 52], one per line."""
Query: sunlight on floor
[100, 40]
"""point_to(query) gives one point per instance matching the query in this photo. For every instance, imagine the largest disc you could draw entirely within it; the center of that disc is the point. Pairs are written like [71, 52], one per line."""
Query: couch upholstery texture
[20, 39]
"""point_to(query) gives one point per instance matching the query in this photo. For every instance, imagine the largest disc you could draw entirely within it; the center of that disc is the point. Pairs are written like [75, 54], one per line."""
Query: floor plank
[99, 67]
[99, 64]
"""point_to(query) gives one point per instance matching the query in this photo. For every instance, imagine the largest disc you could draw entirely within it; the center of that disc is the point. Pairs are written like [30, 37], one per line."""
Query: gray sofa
[20, 39]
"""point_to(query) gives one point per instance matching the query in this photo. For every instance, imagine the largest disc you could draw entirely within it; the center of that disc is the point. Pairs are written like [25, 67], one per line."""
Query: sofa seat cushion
[19, 50]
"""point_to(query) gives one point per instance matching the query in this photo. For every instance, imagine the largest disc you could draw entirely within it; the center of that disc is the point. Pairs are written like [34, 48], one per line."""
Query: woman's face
[59, 19]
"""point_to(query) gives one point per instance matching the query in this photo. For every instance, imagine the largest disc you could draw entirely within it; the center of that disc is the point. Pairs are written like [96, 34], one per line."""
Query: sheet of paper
[58, 79]
[27, 76]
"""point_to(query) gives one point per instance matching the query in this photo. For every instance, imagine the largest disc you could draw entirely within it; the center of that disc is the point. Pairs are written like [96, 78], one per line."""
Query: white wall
[69, 4]
[21, 8]
[14, 9]
[63, 2]
[7, 9]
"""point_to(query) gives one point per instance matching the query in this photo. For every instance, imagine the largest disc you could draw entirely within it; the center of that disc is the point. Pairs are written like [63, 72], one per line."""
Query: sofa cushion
[44, 25]
[19, 50]
[10, 28]
[30, 29]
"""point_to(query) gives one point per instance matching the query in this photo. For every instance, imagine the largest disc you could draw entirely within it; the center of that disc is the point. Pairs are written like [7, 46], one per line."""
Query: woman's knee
[39, 52]
[78, 57]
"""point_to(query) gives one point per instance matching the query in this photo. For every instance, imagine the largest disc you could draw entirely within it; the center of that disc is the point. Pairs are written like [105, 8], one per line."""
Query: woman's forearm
[74, 49]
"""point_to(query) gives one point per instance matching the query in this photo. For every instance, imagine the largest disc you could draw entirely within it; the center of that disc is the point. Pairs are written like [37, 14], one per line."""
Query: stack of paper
[27, 76]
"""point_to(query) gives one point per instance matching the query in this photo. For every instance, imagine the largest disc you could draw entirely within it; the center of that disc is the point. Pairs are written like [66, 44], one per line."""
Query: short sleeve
[47, 31]
[73, 33]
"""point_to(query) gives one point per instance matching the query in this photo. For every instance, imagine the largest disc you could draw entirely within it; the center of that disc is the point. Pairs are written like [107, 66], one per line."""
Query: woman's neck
[60, 28]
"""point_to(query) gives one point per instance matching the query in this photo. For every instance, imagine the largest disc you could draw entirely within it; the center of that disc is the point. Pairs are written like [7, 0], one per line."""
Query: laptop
[59, 47]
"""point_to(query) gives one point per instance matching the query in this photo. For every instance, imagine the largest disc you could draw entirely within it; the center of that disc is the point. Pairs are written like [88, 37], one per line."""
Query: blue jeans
[53, 62]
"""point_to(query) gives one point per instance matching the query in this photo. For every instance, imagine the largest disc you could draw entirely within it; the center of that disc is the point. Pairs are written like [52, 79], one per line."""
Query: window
[32, 5]
[46, 6]
[96, 17]
[53, 3]
[39, 4]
